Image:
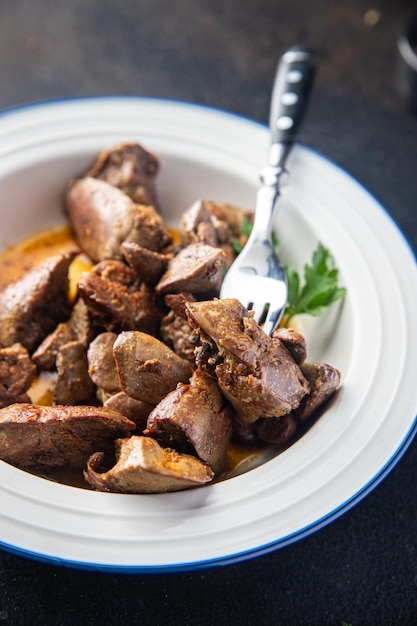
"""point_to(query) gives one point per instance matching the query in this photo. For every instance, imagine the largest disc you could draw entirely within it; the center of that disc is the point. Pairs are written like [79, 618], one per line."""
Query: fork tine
[265, 314]
[260, 310]
[272, 320]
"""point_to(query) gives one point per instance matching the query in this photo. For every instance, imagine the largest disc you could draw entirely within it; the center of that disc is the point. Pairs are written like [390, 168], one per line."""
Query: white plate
[372, 338]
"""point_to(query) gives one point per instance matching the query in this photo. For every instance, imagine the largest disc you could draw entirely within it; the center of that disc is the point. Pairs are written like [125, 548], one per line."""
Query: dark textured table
[361, 569]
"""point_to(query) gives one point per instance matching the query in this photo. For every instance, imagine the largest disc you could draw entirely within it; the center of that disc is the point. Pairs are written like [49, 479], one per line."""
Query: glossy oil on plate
[371, 337]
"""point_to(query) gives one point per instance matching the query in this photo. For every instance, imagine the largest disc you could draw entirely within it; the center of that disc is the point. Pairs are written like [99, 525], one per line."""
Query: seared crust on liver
[324, 380]
[195, 416]
[131, 168]
[117, 300]
[143, 466]
[17, 372]
[45, 437]
[148, 369]
[256, 374]
[33, 305]
[197, 268]
[103, 217]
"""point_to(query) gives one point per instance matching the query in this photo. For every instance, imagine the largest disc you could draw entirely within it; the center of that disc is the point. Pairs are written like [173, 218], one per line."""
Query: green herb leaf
[320, 288]
[245, 230]
[275, 242]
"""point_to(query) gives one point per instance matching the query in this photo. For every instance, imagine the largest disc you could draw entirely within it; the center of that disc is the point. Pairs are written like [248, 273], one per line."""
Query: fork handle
[292, 85]
[290, 94]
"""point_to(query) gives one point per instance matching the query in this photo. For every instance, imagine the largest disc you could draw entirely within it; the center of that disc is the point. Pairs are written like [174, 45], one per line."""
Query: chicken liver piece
[143, 466]
[17, 372]
[324, 381]
[195, 415]
[131, 168]
[103, 217]
[148, 369]
[73, 384]
[197, 268]
[135, 410]
[117, 300]
[101, 364]
[44, 437]
[77, 328]
[148, 265]
[255, 373]
[33, 305]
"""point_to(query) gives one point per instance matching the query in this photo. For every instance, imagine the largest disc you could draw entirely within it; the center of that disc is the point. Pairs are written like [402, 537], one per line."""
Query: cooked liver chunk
[175, 330]
[214, 223]
[177, 301]
[277, 429]
[147, 368]
[131, 168]
[176, 333]
[103, 217]
[143, 466]
[196, 225]
[33, 305]
[46, 353]
[135, 410]
[17, 372]
[101, 363]
[228, 219]
[195, 415]
[73, 384]
[256, 373]
[37, 437]
[148, 265]
[324, 380]
[197, 268]
[293, 341]
[77, 328]
[117, 300]
[80, 323]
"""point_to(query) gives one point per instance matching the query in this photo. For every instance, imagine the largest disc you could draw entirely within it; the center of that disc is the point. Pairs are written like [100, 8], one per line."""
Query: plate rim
[290, 538]
[232, 559]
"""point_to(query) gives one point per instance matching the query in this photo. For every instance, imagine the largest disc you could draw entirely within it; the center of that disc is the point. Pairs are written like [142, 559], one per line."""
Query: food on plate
[131, 168]
[118, 359]
[103, 217]
[17, 372]
[195, 418]
[143, 466]
[255, 372]
[117, 299]
[42, 437]
[147, 368]
[197, 268]
[31, 306]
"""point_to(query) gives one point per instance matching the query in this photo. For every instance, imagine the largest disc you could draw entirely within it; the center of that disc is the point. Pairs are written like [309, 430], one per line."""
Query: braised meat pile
[152, 377]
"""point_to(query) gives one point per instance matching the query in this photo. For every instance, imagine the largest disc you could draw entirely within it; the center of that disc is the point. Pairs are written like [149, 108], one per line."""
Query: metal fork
[257, 278]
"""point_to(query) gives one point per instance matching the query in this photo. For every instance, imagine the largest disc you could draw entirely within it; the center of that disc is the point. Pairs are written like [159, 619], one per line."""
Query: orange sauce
[240, 458]
[21, 257]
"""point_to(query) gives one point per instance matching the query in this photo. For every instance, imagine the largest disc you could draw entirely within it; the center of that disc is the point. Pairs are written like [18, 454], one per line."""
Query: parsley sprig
[320, 288]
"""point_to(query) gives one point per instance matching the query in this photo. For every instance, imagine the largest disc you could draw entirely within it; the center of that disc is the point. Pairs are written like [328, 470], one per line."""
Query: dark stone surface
[362, 568]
